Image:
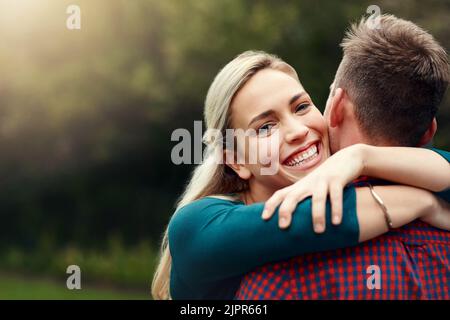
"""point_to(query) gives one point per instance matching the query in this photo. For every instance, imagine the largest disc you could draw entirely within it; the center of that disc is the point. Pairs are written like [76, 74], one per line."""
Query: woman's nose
[295, 131]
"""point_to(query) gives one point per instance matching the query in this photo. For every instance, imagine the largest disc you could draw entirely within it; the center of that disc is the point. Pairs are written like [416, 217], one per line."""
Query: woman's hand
[439, 216]
[329, 178]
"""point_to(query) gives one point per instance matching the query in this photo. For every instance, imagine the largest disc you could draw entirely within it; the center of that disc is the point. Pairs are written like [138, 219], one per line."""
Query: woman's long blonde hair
[213, 177]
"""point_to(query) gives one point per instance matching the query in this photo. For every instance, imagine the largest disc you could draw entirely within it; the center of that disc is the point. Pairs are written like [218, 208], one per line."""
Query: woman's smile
[304, 158]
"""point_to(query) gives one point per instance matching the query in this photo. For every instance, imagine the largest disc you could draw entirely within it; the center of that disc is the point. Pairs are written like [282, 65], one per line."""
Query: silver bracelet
[380, 202]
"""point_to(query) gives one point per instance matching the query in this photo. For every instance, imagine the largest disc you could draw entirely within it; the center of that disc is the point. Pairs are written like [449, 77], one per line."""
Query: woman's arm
[417, 167]
[212, 239]
[404, 204]
[413, 166]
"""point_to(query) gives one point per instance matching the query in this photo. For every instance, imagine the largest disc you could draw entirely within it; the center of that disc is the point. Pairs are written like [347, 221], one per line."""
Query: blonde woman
[217, 233]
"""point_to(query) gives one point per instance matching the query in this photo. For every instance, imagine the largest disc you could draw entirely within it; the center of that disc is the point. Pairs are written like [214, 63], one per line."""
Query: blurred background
[86, 118]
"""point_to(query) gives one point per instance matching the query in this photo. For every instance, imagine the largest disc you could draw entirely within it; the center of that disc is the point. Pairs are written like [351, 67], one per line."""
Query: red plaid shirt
[413, 262]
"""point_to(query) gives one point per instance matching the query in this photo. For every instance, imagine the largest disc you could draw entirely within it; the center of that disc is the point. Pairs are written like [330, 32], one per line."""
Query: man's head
[388, 86]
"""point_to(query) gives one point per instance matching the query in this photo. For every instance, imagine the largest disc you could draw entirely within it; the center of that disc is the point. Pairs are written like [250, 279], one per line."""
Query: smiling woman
[217, 233]
[273, 101]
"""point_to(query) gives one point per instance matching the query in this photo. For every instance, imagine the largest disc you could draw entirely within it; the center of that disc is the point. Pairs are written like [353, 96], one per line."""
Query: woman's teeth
[303, 157]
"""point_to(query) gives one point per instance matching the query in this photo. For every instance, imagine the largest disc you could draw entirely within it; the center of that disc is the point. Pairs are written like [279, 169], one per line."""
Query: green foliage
[86, 115]
[116, 265]
[13, 287]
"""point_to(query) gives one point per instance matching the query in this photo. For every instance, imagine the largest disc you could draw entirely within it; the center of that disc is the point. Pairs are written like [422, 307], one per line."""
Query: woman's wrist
[431, 206]
[362, 152]
[425, 203]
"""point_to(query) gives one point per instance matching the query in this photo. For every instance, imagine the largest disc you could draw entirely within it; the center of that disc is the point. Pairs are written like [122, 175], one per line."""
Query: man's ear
[337, 107]
[429, 134]
[241, 170]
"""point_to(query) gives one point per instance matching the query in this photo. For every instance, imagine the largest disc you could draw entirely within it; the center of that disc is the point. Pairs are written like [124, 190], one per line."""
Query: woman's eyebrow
[270, 111]
[261, 116]
[296, 97]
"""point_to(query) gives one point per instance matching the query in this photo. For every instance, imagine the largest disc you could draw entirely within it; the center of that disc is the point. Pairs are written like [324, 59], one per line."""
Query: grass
[130, 267]
[27, 288]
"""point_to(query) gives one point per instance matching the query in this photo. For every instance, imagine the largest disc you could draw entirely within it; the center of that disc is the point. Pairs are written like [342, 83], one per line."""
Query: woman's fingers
[336, 202]
[273, 202]
[289, 198]
[287, 208]
[319, 198]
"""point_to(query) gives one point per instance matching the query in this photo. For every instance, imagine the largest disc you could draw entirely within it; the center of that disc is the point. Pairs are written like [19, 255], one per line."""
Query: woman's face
[286, 127]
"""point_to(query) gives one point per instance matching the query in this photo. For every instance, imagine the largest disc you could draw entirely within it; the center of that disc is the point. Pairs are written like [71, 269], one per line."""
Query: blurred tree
[86, 115]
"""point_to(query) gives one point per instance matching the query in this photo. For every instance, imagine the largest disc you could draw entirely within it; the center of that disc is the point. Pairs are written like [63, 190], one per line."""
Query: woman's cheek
[317, 122]
[244, 149]
[321, 127]
[268, 153]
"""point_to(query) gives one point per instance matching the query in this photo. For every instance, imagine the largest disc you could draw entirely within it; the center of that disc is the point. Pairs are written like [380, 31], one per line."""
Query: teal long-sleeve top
[214, 242]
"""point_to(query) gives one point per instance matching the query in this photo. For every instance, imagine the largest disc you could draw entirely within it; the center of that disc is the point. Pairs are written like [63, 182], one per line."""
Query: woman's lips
[305, 159]
[299, 150]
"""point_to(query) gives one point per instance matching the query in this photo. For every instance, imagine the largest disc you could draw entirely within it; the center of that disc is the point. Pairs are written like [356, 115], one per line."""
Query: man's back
[412, 262]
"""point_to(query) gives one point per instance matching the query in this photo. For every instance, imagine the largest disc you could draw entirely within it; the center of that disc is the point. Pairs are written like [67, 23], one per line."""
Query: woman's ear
[241, 170]
[337, 107]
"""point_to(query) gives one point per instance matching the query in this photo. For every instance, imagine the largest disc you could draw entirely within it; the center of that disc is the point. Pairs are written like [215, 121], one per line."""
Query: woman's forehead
[267, 89]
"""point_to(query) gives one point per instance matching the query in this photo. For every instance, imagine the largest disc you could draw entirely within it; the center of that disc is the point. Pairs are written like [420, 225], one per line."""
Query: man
[386, 92]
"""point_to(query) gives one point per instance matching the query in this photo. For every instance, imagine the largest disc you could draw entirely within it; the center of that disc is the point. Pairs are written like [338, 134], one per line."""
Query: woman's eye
[302, 107]
[265, 129]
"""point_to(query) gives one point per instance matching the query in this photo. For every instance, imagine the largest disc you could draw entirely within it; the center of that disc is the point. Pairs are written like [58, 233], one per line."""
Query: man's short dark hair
[396, 76]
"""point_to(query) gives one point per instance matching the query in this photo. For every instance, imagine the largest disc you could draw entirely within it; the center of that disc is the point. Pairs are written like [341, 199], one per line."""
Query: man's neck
[351, 135]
